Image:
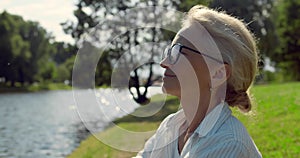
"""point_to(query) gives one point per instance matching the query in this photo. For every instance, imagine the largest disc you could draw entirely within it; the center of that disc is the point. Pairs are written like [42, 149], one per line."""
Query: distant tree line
[29, 54]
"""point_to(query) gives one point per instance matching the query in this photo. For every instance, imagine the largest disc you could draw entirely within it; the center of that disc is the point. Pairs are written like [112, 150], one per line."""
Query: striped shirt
[219, 135]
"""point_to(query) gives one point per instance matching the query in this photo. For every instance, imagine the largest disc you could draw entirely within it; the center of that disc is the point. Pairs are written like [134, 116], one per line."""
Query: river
[48, 125]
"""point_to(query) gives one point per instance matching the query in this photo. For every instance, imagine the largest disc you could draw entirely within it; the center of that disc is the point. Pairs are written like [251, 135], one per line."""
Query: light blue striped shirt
[220, 135]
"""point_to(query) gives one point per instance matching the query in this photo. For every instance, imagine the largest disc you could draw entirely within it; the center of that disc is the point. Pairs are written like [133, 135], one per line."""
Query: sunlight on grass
[276, 127]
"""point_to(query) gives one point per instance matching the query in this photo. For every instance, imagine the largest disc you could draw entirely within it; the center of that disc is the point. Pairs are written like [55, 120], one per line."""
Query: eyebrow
[196, 51]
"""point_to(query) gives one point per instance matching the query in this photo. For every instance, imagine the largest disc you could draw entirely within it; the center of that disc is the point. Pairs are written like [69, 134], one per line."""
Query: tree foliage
[287, 54]
[26, 53]
[257, 15]
[24, 47]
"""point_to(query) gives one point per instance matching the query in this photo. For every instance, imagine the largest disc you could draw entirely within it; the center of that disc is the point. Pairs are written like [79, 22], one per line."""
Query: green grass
[273, 124]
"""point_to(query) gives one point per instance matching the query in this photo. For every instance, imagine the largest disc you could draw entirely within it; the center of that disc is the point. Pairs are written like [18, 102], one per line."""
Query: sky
[49, 13]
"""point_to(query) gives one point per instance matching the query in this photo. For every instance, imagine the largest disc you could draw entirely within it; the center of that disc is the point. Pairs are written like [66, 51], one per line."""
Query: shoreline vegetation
[37, 87]
[34, 87]
[276, 110]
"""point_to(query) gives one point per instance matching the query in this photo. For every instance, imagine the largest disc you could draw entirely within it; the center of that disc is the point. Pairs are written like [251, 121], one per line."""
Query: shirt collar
[214, 119]
[177, 119]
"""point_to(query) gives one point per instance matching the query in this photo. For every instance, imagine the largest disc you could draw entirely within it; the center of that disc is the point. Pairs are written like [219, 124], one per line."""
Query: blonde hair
[238, 49]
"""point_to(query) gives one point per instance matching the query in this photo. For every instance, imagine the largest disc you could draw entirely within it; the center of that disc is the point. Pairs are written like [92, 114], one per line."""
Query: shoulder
[232, 148]
[228, 139]
[235, 130]
[236, 138]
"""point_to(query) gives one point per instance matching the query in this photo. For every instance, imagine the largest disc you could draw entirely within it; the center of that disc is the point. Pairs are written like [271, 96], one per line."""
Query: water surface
[47, 124]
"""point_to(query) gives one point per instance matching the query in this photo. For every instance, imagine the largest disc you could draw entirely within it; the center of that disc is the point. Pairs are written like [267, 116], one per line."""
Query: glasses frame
[180, 52]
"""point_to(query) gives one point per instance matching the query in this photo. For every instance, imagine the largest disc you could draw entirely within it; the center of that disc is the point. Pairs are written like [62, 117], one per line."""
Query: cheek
[171, 86]
[202, 72]
[185, 71]
[192, 71]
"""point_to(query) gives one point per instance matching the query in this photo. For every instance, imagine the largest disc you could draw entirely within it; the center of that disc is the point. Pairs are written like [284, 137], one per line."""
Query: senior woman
[210, 66]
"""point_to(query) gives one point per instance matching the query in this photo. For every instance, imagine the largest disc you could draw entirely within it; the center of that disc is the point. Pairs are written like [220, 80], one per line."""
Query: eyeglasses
[174, 51]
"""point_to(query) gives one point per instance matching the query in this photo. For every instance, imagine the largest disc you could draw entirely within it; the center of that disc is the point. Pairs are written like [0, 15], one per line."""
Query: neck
[195, 109]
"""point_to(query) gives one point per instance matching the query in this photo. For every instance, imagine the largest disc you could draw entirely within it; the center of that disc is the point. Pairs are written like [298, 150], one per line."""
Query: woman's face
[190, 72]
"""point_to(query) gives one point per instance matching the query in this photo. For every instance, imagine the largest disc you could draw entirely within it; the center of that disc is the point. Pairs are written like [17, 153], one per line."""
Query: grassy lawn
[275, 127]
[273, 124]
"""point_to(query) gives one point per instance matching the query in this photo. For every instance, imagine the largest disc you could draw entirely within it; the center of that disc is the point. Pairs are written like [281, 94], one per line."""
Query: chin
[164, 89]
[170, 91]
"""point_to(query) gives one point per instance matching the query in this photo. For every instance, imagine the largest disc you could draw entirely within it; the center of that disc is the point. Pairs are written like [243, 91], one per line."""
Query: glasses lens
[165, 53]
[174, 54]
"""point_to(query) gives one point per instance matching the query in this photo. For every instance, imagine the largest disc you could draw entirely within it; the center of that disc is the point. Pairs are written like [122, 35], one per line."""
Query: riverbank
[270, 124]
[34, 87]
[38, 87]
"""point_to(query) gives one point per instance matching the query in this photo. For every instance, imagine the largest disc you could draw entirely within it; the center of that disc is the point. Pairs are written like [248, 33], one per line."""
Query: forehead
[197, 37]
[190, 36]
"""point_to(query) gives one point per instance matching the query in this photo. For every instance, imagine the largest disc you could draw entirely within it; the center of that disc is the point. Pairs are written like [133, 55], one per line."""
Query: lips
[169, 75]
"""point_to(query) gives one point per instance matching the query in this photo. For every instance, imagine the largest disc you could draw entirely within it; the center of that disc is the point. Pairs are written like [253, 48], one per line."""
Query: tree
[40, 47]
[90, 12]
[63, 52]
[64, 70]
[104, 70]
[257, 14]
[287, 19]
[14, 50]
[24, 49]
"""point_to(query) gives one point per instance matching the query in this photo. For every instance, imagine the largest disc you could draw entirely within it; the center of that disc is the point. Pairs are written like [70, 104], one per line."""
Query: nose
[164, 63]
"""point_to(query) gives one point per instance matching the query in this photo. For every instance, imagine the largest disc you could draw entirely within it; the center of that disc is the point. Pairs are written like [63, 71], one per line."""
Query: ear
[221, 75]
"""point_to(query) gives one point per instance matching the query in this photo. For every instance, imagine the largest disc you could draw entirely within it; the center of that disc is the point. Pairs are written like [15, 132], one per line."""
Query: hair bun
[239, 98]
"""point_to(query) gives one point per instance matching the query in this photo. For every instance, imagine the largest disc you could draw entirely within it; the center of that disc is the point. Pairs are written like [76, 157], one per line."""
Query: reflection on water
[38, 124]
[46, 124]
